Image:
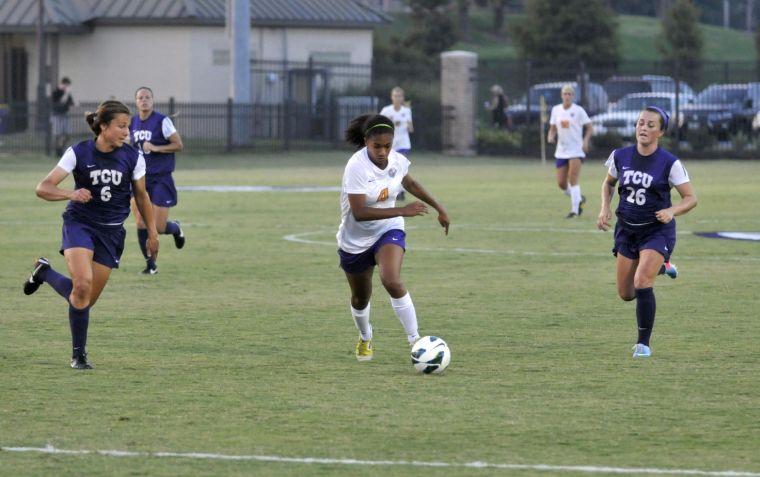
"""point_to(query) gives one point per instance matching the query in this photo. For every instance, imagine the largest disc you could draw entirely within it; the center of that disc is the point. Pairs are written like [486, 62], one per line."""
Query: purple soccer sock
[645, 310]
[142, 237]
[79, 321]
[61, 284]
[172, 228]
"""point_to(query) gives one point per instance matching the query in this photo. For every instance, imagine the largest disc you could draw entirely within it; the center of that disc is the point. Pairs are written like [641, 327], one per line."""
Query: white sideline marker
[589, 469]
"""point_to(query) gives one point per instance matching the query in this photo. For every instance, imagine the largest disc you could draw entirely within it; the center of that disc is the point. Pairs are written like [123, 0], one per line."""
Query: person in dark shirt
[59, 119]
[106, 171]
[645, 232]
[498, 107]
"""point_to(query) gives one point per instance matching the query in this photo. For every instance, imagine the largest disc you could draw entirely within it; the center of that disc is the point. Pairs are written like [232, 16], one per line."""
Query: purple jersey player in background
[154, 134]
[645, 232]
[106, 171]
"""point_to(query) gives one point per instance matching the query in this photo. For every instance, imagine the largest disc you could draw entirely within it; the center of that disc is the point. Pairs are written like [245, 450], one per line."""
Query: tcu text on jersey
[107, 176]
[637, 178]
[142, 135]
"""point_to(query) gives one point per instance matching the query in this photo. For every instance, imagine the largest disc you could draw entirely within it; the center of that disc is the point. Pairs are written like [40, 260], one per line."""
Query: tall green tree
[681, 42]
[463, 16]
[566, 32]
[434, 26]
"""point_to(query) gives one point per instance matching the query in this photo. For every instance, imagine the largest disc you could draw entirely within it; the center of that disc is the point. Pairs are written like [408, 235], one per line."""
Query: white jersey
[569, 123]
[380, 187]
[401, 120]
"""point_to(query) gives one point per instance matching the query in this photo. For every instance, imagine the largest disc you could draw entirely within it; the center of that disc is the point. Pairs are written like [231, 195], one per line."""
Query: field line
[588, 469]
[302, 238]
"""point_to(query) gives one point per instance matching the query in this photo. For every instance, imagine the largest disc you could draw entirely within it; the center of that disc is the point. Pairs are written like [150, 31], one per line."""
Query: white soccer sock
[361, 318]
[567, 191]
[575, 197]
[404, 309]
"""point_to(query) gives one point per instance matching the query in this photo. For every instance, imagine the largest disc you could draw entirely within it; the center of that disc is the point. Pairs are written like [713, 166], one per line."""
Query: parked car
[618, 86]
[722, 109]
[622, 116]
[596, 103]
[666, 84]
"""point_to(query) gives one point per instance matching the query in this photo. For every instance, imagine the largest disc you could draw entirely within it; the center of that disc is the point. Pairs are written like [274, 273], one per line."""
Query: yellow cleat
[364, 350]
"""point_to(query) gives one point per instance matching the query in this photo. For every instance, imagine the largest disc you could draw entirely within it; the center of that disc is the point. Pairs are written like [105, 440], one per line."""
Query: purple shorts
[404, 152]
[358, 262]
[161, 189]
[563, 162]
[629, 243]
[107, 243]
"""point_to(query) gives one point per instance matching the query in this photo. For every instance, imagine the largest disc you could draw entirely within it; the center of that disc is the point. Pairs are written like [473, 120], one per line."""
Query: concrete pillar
[459, 71]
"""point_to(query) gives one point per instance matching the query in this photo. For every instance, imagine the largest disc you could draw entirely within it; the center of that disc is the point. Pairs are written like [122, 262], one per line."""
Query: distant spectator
[498, 107]
[62, 101]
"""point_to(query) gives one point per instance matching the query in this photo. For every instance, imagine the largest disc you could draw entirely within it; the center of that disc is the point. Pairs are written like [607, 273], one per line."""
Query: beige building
[178, 47]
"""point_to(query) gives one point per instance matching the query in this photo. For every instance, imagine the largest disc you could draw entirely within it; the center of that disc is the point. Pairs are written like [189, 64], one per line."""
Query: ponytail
[365, 126]
[107, 110]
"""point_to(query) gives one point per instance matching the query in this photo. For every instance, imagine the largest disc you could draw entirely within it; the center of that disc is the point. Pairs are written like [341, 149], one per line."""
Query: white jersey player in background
[566, 126]
[401, 115]
[372, 227]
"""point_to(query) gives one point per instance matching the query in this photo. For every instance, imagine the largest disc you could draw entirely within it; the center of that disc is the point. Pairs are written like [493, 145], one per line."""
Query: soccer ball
[430, 354]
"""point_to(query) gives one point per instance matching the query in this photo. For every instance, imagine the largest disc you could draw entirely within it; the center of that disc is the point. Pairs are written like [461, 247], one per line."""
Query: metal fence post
[229, 124]
[677, 143]
[171, 105]
[47, 127]
[527, 94]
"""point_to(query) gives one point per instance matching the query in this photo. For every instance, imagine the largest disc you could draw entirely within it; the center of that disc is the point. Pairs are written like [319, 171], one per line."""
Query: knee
[393, 285]
[627, 295]
[80, 292]
[359, 302]
[642, 282]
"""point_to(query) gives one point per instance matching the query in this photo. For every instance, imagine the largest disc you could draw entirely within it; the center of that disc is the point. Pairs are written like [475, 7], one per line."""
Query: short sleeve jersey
[644, 184]
[569, 123]
[380, 188]
[108, 177]
[401, 120]
[155, 129]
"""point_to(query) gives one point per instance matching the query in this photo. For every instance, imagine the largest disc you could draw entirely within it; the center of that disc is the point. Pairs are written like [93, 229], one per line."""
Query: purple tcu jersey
[643, 185]
[152, 130]
[108, 177]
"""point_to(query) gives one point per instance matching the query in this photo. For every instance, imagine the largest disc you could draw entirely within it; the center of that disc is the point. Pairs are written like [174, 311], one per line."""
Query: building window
[220, 57]
[339, 57]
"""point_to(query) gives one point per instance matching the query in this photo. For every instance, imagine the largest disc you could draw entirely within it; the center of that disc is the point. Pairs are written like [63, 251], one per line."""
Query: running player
[372, 227]
[566, 127]
[156, 136]
[401, 115]
[645, 232]
[105, 170]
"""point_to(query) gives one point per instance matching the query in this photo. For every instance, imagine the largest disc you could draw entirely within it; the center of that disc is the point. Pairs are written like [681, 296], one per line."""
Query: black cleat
[150, 268]
[571, 215]
[580, 206]
[80, 361]
[179, 238]
[33, 283]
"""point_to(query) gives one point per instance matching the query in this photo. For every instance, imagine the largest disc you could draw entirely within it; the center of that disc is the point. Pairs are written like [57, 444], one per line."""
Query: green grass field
[243, 345]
